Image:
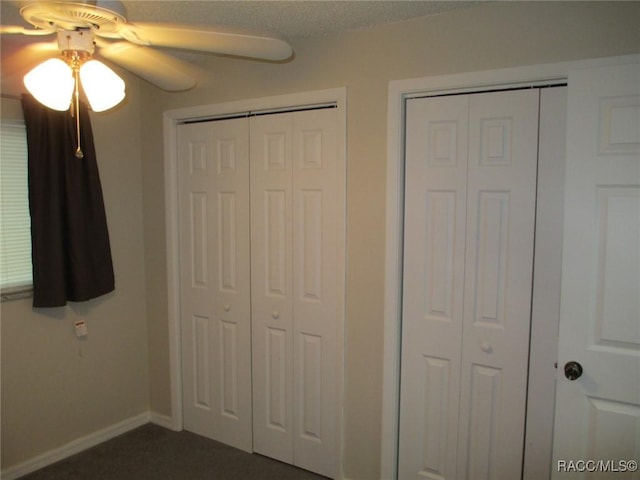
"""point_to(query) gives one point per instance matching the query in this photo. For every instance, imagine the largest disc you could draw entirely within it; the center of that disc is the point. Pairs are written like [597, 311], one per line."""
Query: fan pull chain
[79, 153]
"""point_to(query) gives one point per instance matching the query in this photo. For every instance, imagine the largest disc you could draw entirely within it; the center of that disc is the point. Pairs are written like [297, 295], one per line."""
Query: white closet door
[213, 176]
[503, 153]
[317, 288]
[469, 218]
[271, 284]
[297, 284]
[435, 206]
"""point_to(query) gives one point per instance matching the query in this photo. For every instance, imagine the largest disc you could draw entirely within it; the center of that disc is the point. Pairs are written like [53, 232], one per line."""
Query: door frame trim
[171, 119]
[399, 91]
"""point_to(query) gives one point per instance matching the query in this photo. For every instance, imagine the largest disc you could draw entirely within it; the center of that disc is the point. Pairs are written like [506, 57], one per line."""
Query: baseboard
[162, 420]
[81, 444]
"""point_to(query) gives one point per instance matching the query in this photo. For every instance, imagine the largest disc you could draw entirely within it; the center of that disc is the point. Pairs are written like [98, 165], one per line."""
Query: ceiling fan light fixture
[51, 83]
[102, 86]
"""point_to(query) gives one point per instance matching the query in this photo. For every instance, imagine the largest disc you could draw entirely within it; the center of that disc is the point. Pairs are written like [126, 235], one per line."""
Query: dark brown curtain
[70, 239]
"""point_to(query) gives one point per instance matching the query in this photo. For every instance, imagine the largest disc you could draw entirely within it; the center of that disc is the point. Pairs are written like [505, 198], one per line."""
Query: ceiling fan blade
[26, 31]
[162, 70]
[221, 40]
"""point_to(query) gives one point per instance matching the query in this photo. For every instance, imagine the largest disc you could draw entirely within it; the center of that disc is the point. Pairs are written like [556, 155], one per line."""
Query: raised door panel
[435, 206]
[199, 364]
[215, 280]
[317, 277]
[499, 270]
[271, 283]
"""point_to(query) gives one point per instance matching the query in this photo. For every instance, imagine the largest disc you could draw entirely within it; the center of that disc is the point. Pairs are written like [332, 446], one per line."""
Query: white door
[213, 174]
[435, 216]
[598, 413]
[469, 223]
[271, 302]
[297, 287]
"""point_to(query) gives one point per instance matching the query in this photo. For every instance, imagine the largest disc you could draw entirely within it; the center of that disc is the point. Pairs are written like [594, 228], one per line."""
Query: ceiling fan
[81, 27]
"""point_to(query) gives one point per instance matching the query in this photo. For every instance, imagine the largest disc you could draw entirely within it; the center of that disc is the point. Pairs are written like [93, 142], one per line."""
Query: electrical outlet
[81, 328]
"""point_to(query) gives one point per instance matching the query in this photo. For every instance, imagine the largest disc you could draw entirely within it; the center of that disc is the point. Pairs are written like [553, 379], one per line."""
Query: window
[15, 226]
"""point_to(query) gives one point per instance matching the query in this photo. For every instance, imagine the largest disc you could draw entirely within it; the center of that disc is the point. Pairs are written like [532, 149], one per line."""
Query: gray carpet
[152, 452]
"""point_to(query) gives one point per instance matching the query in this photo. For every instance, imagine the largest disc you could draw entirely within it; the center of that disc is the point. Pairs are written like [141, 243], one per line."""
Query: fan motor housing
[76, 40]
[71, 15]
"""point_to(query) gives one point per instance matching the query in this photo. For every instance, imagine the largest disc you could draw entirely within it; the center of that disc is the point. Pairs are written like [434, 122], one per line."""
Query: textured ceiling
[302, 18]
[291, 19]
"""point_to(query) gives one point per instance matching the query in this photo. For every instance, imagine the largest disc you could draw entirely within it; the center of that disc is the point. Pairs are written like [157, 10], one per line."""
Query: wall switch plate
[81, 328]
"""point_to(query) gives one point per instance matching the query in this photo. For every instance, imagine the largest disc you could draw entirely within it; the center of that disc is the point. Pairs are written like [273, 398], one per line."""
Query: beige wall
[489, 36]
[56, 388]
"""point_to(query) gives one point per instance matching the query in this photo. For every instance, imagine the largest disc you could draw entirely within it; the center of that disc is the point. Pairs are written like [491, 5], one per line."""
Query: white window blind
[15, 226]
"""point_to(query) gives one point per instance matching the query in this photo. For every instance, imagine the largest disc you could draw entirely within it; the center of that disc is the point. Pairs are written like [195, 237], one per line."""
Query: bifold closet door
[213, 174]
[296, 287]
[433, 284]
[469, 221]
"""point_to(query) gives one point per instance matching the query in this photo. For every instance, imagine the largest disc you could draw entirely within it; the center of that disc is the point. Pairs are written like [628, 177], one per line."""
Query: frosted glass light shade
[51, 83]
[103, 87]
